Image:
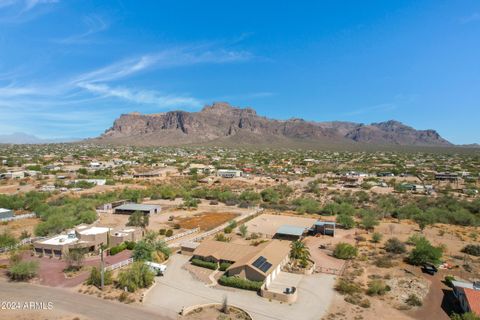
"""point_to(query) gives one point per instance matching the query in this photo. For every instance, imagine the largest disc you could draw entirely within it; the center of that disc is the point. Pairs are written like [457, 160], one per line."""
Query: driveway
[178, 289]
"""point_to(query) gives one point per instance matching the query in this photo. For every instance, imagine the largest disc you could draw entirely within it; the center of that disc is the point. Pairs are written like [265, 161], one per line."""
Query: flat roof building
[83, 237]
[130, 208]
[229, 173]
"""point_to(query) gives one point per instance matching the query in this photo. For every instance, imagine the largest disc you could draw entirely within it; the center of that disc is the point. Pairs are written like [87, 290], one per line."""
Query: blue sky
[69, 68]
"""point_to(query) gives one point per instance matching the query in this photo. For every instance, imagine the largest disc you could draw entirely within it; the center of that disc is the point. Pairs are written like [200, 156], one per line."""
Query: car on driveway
[429, 268]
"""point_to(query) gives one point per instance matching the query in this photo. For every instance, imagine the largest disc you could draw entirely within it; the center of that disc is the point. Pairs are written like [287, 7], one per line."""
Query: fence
[19, 217]
[119, 265]
[180, 235]
[21, 243]
[334, 271]
[220, 228]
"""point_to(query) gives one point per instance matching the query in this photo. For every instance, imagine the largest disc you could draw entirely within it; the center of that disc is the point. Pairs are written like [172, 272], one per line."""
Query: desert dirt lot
[268, 224]
[16, 227]
[178, 289]
[206, 216]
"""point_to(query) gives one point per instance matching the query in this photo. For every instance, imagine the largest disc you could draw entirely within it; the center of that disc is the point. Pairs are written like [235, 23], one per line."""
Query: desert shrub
[344, 286]
[464, 316]
[413, 300]
[221, 237]
[345, 221]
[358, 300]
[224, 266]
[240, 283]
[7, 240]
[204, 264]
[376, 237]
[384, 262]
[394, 245]
[425, 252]
[162, 232]
[227, 230]
[95, 278]
[169, 233]
[448, 281]
[23, 270]
[136, 277]
[377, 288]
[472, 249]
[345, 251]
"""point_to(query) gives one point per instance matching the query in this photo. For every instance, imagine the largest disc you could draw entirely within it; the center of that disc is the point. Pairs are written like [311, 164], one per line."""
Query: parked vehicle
[429, 268]
[158, 269]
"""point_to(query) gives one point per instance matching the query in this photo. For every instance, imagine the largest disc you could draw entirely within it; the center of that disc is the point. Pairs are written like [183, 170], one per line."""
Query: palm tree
[299, 251]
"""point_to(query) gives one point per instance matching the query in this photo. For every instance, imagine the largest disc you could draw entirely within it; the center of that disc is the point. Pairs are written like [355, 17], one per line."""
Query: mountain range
[224, 125]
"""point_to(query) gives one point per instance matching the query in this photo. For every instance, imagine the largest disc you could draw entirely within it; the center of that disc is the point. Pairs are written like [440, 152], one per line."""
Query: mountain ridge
[223, 123]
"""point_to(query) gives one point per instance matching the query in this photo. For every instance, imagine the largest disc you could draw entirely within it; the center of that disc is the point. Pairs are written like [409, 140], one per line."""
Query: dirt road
[65, 301]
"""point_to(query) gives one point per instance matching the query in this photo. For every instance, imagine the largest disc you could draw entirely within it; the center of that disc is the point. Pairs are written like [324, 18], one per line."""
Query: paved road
[66, 301]
[178, 289]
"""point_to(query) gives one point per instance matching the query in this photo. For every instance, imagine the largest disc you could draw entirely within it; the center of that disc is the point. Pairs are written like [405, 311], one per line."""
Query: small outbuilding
[288, 232]
[324, 228]
[130, 208]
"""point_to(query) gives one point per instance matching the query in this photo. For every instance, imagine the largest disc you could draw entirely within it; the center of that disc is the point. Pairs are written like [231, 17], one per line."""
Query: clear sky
[69, 68]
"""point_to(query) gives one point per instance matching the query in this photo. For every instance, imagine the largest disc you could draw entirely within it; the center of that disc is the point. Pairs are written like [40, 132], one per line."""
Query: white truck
[157, 268]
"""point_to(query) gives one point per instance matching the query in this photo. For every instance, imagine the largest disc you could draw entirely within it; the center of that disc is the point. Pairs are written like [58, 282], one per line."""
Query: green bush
[169, 233]
[424, 252]
[95, 278]
[117, 249]
[345, 251]
[205, 264]
[136, 277]
[345, 221]
[240, 283]
[23, 270]
[130, 245]
[224, 266]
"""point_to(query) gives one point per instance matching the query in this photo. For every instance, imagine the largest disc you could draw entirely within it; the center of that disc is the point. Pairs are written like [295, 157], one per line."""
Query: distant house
[229, 173]
[83, 237]
[446, 176]
[130, 208]
[6, 213]
[97, 182]
[468, 296]
[14, 175]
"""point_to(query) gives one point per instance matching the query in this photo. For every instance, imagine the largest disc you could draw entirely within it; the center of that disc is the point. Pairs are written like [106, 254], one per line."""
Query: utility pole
[102, 278]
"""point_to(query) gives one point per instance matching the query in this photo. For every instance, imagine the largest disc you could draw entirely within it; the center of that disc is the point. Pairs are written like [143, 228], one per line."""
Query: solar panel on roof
[260, 260]
[265, 266]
